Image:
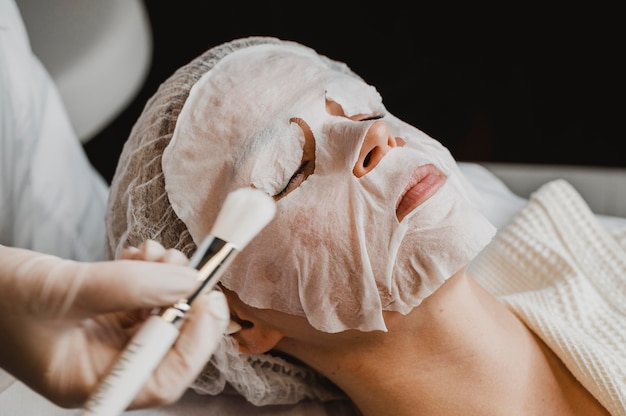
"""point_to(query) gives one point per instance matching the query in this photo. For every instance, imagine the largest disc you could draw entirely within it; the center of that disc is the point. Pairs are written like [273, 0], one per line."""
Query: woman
[363, 275]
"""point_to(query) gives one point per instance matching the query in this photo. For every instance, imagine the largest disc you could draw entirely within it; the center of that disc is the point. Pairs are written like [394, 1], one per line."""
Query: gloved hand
[64, 322]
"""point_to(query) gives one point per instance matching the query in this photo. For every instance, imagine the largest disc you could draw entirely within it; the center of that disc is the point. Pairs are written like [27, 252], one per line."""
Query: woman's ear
[256, 335]
[256, 338]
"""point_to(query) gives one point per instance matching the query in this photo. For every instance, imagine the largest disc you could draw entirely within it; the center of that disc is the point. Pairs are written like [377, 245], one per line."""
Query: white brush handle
[135, 364]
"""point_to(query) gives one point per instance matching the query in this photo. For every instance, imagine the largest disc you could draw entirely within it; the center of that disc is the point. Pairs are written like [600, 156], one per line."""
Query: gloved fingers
[132, 320]
[53, 287]
[200, 335]
[174, 256]
[129, 253]
[26, 278]
[151, 250]
[124, 285]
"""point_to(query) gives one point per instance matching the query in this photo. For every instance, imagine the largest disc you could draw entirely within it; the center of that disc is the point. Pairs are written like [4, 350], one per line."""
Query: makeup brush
[244, 214]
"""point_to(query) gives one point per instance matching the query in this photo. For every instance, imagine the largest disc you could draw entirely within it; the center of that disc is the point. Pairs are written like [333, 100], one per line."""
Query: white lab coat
[52, 200]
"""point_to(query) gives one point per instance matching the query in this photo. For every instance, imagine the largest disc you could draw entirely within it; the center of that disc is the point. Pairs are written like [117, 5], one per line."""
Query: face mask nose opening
[377, 143]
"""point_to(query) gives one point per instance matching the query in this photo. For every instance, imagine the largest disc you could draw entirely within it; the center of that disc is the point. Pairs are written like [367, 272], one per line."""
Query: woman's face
[372, 214]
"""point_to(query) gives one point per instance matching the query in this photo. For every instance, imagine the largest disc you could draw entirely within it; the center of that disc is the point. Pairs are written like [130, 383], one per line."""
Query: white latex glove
[64, 322]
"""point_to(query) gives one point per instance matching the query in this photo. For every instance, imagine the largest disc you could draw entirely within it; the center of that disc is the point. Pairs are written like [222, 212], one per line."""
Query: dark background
[527, 85]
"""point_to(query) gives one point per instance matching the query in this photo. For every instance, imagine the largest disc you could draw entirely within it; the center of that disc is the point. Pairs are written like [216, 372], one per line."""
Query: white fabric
[51, 198]
[564, 275]
[236, 129]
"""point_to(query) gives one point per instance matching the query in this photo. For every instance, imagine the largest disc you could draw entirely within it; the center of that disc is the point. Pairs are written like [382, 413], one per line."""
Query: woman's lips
[424, 183]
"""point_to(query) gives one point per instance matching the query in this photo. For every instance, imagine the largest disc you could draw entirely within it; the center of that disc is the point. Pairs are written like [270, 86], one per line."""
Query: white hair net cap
[338, 253]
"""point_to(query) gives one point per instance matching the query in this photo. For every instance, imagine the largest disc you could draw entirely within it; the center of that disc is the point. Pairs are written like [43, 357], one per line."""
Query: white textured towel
[564, 275]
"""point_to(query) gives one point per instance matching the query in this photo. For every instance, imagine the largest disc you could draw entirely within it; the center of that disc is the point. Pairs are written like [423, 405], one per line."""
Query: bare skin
[460, 352]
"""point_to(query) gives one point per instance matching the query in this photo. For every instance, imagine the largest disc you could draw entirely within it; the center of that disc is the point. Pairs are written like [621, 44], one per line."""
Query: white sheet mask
[335, 252]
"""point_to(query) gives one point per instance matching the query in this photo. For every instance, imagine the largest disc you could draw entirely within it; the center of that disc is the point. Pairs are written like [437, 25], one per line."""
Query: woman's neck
[460, 352]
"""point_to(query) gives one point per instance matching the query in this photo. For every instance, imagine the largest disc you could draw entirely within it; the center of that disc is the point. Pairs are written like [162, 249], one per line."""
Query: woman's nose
[378, 141]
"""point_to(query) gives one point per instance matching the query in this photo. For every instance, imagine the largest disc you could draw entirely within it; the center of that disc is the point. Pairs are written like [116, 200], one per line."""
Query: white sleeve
[52, 200]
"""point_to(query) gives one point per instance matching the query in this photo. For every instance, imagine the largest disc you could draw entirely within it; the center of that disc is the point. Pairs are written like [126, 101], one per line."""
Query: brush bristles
[244, 214]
